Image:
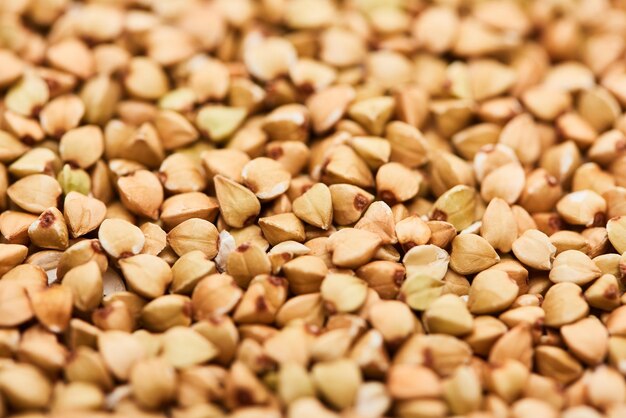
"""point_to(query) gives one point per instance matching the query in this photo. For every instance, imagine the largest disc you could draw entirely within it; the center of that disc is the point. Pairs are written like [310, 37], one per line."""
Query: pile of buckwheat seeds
[313, 208]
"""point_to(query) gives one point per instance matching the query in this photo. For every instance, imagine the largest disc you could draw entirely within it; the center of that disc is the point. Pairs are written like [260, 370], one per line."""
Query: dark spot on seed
[303, 128]
[611, 292]
[126, 254]
[253, 187]
[95, 245]
[488, 148]
[274, 280]
[90, 41]
[554, 223]
[599, 219]
[36, 111]
[49, 169]
[395, 342]
[28, 140]
[243, 247]
[73, 354]
[121, 74]
[275, 152]
[398, 277]
[244, 397]
[53, 85]
[360, 202]
[551, 180]
[388, 197]
[265, 362]
[439, 215]
[46, 219]
[206, 133]
[330, 307]
[215, 320]
[260, 304]
[307, 88]
[104, 312]
[162, 177]
[187, 309]
[325, 165]
[429, 359]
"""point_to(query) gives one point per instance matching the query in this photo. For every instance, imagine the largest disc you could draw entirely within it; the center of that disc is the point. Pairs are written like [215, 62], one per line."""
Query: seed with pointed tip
[49, 230]
[120, 238]
[35, 193]
[238, 205]
[147, 275]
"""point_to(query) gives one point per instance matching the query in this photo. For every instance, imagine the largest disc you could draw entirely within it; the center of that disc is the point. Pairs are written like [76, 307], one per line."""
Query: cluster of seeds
[313, 208]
